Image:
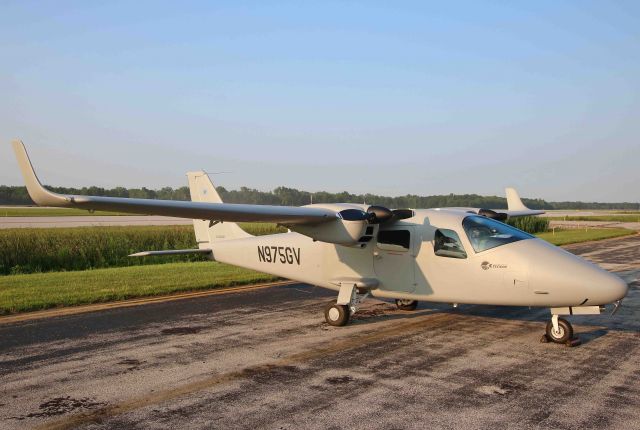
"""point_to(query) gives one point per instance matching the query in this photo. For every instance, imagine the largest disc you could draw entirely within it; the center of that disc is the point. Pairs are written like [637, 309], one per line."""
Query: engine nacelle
[345, 230]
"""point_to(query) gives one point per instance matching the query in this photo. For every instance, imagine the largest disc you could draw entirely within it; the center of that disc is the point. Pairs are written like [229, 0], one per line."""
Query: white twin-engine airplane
[450, 255]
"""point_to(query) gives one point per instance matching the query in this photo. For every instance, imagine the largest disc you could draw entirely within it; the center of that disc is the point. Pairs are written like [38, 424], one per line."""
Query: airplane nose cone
[616, 288]
[599, 286]
[572, 280]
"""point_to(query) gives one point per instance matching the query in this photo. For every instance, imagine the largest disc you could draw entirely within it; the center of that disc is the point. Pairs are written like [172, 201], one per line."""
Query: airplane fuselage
[403, 262]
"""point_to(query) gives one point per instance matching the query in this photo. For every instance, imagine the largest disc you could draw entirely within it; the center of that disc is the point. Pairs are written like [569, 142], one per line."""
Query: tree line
[17, 195]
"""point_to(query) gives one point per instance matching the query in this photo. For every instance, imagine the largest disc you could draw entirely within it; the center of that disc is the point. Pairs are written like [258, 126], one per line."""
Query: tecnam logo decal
[486, 266]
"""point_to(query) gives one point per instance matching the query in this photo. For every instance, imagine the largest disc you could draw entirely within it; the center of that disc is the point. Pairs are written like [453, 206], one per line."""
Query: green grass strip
[22, 293]
[601, 218]
[567, 236]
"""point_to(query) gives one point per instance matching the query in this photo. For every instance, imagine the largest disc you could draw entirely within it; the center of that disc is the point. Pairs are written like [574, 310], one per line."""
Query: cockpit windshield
[486, 233]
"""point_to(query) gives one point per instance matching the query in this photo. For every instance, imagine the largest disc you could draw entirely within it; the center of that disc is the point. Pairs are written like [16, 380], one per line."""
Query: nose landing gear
[559, 330]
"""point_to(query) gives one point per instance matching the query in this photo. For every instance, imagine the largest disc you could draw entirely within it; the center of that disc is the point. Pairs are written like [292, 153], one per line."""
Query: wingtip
[17, 144]
[514, 202]
[40, 195]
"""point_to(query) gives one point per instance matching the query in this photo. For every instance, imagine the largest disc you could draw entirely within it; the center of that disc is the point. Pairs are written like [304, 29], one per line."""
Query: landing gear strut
[349, 299]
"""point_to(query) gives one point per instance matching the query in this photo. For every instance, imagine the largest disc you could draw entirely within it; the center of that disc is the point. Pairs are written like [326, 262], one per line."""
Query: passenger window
[394, 240]
[447, 244]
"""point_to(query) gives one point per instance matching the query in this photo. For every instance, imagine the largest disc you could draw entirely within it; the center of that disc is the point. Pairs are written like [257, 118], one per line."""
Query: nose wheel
[561, 333]
[559, 330]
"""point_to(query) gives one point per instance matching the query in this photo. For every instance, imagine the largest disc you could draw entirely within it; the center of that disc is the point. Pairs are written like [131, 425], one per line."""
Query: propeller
[379, 214]
[376, 214]
[493, 214]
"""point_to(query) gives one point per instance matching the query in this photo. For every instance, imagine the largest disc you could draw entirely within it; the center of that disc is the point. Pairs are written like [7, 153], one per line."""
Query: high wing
[515, 208]
[182, 209]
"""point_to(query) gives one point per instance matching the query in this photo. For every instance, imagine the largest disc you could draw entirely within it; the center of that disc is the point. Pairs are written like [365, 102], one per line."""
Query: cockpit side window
[447, 244]
[486, 233]
[392, 239]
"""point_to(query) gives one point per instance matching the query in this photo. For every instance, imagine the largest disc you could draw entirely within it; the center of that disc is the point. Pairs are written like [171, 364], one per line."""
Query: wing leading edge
[181, 209]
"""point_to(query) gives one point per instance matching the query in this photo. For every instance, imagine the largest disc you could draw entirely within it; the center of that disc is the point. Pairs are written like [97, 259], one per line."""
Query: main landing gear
[337, 315]
[406, 304]
[349, 299]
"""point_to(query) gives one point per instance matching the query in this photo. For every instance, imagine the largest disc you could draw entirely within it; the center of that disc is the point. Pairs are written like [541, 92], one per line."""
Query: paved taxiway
[266, 359]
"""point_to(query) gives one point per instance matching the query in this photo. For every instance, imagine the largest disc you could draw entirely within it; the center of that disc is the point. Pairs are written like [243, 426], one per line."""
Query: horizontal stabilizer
[171, 252]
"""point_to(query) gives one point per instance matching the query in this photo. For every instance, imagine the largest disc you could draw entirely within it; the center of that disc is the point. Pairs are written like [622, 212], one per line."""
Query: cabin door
[394, 259]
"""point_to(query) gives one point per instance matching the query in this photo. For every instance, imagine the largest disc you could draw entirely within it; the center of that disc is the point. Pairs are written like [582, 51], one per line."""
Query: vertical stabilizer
[208, 231]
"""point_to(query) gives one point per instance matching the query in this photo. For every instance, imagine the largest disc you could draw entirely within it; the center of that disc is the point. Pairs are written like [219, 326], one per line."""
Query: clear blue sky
[388, 98]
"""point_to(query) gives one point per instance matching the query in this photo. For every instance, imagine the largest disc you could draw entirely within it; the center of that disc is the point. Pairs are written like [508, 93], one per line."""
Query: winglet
[40, 195]
[513, 200]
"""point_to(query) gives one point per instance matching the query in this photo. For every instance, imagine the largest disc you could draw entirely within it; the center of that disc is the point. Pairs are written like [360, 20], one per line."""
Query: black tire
[336, 315]
[406, 305]
[565, 331]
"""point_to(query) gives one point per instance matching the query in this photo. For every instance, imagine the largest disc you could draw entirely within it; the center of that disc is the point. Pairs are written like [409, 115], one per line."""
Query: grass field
[41, 212]
[530, 224]
[611, 218]
[565, 237]
[80, 248]
[22, 293]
